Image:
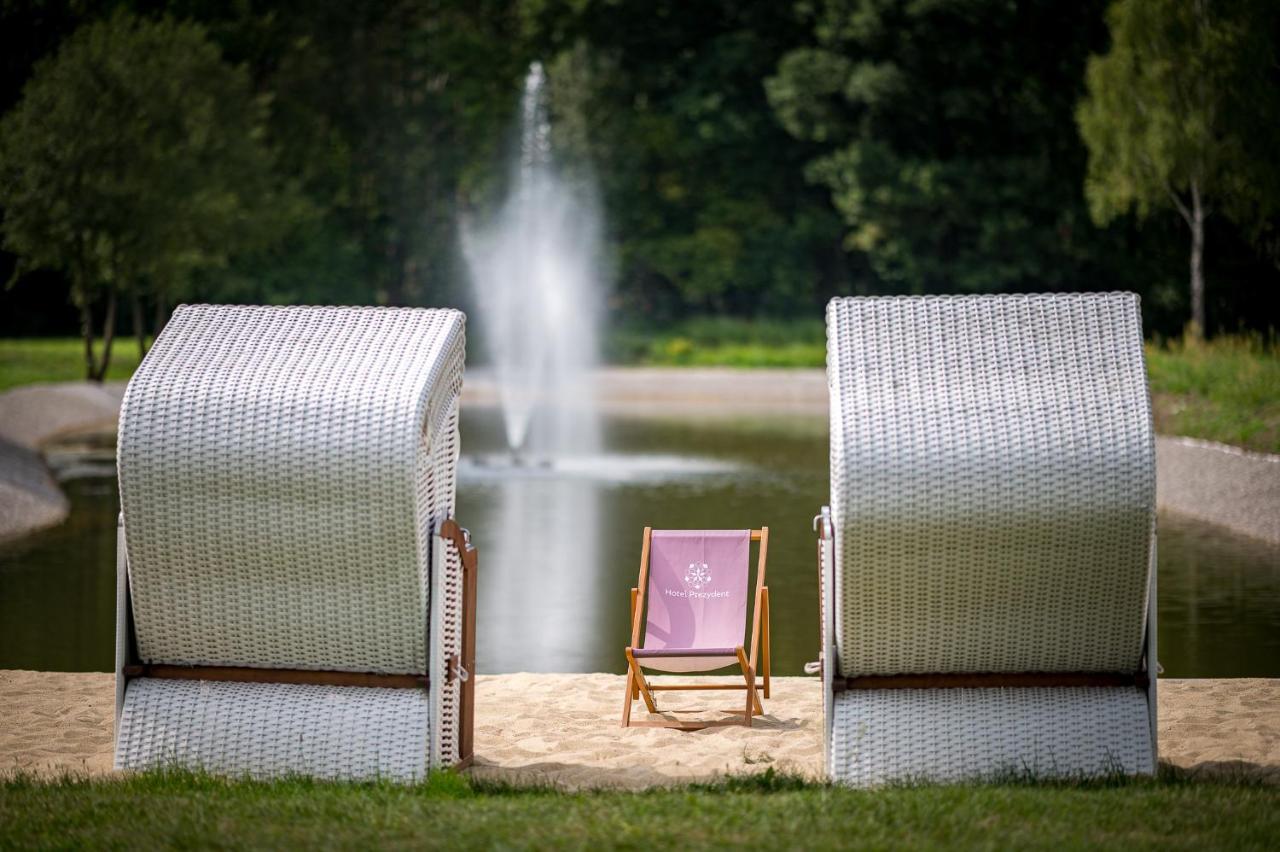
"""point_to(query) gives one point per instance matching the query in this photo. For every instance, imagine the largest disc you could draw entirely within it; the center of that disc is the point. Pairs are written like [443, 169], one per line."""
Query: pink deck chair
[692, 595]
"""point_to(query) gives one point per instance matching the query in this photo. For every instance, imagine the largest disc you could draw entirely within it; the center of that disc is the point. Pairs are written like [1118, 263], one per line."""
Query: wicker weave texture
[282, 472]
[270, 730]
[946, 735]
[992, 483]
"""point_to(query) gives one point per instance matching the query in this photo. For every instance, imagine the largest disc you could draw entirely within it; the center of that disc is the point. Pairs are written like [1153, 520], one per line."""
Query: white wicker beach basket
[284, 474]
[992, 511]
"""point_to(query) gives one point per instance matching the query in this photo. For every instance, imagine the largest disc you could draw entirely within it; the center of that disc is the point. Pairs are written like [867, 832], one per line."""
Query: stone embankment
[30, 419]
[1223, 485]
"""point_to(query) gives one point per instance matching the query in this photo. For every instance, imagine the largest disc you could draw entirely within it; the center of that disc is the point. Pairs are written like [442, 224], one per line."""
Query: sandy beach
[562, 730]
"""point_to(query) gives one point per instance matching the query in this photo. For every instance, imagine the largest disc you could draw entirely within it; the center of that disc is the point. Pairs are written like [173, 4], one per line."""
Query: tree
[944, 135]
[134, 159]
[389, 112]
[706, 205]
[1182, 112]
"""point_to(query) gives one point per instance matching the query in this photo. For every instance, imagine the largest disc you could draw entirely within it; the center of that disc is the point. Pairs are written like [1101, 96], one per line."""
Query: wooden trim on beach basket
[991, 680]
[245, 674]
[461, 540]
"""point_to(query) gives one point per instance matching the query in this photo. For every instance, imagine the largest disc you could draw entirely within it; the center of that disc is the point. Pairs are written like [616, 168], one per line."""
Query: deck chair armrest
[635, 599]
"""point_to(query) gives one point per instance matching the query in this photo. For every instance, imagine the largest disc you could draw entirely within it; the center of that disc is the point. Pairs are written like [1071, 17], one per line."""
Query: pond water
[558, 554]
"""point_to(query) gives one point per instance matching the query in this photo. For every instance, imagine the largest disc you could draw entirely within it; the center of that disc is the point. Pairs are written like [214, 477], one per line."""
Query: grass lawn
[25, 361]
[1226, 390]
[769, 811]
[449, 812]
[722, 342]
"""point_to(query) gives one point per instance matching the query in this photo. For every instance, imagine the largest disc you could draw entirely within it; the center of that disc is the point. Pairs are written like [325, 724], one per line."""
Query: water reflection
[58, 588]
[542, 590]
[1219, 602]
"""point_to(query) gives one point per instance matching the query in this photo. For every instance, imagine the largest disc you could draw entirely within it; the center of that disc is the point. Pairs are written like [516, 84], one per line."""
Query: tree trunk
[86, 332]
[396, 253]
[108, 335]
[139, 325]
[161, 316]
[409, 281]
[1197, 329]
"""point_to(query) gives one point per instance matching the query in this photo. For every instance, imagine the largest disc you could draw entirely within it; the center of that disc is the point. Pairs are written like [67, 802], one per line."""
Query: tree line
[753, 159]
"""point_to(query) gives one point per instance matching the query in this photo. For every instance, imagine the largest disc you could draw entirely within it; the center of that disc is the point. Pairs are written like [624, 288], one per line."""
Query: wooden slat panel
[470, 564]
[990, 680]
[299, 676]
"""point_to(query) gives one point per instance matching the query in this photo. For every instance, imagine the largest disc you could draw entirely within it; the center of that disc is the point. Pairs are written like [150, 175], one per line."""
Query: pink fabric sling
[697, 599]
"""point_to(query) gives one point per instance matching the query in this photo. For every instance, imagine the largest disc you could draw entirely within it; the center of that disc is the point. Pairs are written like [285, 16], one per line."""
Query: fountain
[535, 269]
[536, 273]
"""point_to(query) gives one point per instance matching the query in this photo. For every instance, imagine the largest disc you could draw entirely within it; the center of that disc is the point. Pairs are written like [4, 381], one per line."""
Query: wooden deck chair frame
[752, 661]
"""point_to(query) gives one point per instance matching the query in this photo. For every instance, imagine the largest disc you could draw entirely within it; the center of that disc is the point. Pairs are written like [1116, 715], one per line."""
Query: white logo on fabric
[698, 575]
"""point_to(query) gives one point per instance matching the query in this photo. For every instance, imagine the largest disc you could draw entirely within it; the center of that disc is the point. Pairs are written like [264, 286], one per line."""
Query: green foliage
[135, 158]
[1226, 390]
[705, 201]
[135, 153]
[1176, 116]
[945, 138]
[1178, 100]
[448, 811]
[383, 127]
[753, 159]
[391, 115]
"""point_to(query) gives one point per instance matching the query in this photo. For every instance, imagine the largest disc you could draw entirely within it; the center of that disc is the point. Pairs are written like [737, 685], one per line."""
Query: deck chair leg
[764, 660]
[626, 701]
[641, 684]
[754, 707]
[649, 701]
[635, 690]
